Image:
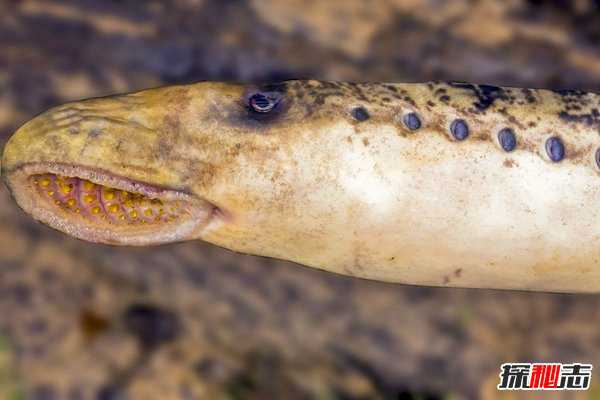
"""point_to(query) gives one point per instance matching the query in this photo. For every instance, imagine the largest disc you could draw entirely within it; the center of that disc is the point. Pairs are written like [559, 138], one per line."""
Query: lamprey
[444, 184]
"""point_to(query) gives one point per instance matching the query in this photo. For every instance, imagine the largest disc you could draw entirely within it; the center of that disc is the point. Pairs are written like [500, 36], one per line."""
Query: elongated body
[446, 184]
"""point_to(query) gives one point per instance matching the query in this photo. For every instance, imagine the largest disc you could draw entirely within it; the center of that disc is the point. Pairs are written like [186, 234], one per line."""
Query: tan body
[361, 194]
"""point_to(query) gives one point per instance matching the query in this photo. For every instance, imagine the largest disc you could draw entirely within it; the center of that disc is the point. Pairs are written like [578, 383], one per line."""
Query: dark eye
[261, 103]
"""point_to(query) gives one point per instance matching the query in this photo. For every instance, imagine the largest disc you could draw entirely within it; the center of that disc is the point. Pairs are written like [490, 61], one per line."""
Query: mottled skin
[358, 193]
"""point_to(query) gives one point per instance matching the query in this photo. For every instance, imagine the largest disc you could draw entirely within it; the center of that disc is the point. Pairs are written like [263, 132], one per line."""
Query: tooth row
[99, 202]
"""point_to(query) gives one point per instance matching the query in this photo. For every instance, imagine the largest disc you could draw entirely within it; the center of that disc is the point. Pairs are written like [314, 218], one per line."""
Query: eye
[266, 103]
[262, 103]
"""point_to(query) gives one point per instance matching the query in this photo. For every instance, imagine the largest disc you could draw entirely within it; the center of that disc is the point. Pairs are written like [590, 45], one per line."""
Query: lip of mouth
[98, 206]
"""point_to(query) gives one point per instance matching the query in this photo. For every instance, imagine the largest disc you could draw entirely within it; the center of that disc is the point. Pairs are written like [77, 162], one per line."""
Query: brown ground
[192, 321]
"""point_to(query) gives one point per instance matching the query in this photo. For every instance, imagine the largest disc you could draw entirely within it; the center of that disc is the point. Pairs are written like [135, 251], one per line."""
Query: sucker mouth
[103, 204]
[98, 206]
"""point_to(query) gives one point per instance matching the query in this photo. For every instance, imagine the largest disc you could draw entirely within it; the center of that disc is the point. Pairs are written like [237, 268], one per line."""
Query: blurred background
[192, 321]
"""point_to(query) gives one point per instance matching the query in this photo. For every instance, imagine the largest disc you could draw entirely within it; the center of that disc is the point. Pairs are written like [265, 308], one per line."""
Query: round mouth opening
[102, 204]
[101, 207]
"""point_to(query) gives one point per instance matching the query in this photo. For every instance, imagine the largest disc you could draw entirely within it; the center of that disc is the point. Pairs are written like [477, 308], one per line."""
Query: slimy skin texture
[405, 183]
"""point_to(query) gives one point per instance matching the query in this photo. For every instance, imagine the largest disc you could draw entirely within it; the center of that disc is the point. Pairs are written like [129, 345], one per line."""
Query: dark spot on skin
[365, 141]
[412, 121]
[555, 149]
[507, 139]
[569, 92]
[529, 95]
[151, 325]
[360, 114]
[459, 129]
[95, 132]
[509, 163]
[597, 157]
[513, 120]
[172, 123]
[354, 89]
[445, 98]
[410, 101]
[589, 119]
[486, 94]
[279, 87]
[579, 153]
[458, 272]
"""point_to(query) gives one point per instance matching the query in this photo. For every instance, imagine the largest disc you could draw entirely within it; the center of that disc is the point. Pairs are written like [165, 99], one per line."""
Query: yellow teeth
[66, 189]
[101, 204]
[89, 198]
[109, 194]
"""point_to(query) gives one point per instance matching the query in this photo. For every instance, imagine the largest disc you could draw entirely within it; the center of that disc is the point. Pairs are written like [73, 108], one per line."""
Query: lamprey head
[231, 164]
